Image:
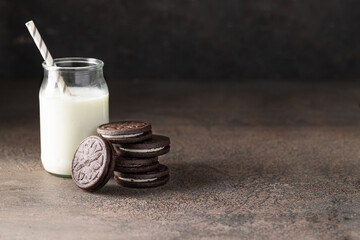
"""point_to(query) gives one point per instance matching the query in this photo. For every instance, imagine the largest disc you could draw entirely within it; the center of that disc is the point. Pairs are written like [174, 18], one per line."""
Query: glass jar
[66, 119]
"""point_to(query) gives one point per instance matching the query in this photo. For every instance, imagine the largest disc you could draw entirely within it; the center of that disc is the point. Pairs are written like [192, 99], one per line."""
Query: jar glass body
[66, 119]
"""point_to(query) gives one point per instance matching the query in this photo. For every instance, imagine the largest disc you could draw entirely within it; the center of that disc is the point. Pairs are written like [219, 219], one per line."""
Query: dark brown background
[198, 39]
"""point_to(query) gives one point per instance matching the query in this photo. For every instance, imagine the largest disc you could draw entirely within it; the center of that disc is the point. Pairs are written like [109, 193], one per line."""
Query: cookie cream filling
[137, 180]
[122, 136]
[141, 150]
[132, 165]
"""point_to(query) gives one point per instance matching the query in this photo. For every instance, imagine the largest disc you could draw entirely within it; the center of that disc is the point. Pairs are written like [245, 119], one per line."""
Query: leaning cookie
[93, 163]
[155, 178]
[155, 146]
[125, 131]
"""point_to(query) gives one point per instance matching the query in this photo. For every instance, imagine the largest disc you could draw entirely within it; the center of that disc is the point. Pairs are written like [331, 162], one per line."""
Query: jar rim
[89, 64]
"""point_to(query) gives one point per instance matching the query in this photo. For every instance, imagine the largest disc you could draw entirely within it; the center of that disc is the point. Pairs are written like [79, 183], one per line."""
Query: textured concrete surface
[265, 160]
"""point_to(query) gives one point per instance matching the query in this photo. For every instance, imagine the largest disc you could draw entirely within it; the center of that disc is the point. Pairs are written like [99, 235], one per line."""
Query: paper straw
[46, 54]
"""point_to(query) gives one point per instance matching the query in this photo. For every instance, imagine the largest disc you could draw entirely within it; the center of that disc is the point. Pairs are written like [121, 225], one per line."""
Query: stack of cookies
[137, 153]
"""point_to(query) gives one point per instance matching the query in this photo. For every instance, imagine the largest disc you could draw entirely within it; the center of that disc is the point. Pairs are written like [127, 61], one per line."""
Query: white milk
[65, 121]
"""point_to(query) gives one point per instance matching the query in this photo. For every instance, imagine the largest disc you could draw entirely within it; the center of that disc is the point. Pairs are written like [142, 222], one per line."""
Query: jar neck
[76, 78]
[76, 72]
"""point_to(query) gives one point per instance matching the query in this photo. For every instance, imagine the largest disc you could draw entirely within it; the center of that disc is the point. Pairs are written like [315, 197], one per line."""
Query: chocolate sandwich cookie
[125, 131]
[153, 178]
[155, 146]
[93, 163]
[136, 165]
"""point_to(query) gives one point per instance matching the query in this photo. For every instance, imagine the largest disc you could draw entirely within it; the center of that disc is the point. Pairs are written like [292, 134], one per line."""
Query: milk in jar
[65, 120]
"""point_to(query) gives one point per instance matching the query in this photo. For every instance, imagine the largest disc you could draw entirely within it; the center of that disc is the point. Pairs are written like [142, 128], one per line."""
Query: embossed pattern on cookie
[90, 163]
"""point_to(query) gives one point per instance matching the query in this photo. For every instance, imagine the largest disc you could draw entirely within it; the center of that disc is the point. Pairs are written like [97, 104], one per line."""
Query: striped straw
[46, 54]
